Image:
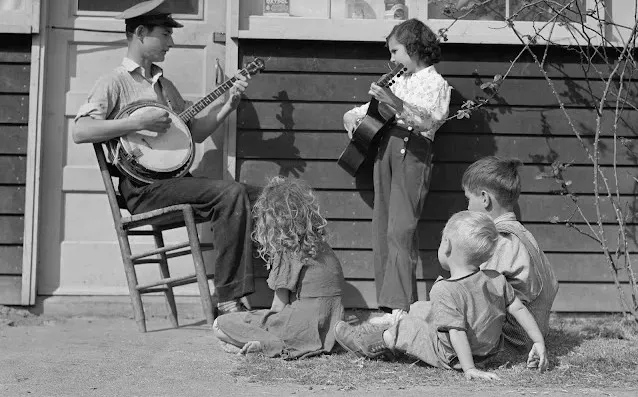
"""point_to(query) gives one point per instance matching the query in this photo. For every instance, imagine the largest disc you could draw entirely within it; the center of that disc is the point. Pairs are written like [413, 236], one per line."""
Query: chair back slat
[116, 202]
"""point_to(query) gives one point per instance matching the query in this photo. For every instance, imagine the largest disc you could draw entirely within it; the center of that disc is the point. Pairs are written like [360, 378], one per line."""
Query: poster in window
[277, 7]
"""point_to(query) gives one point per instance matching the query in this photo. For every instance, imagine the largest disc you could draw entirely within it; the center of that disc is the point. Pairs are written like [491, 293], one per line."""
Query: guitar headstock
[397, 71]
[256, 66]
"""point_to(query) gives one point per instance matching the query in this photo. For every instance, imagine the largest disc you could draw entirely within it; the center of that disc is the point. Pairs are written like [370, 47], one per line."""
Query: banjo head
[156, 152]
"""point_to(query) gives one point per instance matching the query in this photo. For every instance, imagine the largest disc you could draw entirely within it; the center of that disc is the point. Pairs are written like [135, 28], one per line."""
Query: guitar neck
[198, 106]
[385, 79]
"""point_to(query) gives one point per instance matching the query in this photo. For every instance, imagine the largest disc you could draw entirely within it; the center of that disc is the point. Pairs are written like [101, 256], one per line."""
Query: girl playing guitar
[403, 164]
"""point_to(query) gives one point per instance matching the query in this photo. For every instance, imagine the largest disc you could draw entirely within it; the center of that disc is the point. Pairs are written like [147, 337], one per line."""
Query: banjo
[148, 156]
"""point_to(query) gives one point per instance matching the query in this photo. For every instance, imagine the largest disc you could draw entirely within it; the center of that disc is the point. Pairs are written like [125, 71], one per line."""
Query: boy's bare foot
[250, 347]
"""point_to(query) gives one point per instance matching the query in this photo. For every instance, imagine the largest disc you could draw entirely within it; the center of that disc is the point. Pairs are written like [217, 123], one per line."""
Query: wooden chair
[159, 220]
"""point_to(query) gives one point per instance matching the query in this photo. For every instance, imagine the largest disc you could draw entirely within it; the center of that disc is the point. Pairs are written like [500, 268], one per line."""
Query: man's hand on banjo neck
[213, 116]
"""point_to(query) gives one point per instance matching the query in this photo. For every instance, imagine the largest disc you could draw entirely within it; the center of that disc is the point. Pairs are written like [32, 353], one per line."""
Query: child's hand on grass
[537, 357]
[250, 347]
[474, 373]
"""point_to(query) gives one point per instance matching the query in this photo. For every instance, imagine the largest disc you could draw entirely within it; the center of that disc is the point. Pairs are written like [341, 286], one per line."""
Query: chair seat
[170, 217]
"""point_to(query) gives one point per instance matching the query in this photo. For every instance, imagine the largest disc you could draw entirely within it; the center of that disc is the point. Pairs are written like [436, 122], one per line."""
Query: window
[499, 10]
[101, 7]
[479, 21]
[533, 19]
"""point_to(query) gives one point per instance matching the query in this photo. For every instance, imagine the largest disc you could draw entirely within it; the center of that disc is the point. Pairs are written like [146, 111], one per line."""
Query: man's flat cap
[152, 12]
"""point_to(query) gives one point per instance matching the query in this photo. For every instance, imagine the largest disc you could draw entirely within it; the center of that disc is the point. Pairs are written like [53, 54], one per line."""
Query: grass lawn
[585, 352]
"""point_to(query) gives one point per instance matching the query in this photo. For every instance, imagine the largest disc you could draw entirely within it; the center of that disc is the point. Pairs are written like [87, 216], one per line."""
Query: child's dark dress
[305, 327]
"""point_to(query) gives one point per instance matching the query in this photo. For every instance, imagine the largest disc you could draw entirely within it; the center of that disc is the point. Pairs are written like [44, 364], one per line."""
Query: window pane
[178, 6]
[363, 9]
[470, 10]
[543, 11]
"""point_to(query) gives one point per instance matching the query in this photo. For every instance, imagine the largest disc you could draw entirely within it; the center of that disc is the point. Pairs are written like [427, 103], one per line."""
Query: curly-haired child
[420, 100]
[305, 275]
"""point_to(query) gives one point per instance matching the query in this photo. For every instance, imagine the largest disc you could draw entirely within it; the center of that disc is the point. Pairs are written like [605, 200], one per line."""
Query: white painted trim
[110, 14]
[372, 30]
[232, 15]
[36, 12]
[81, 179]
[18, 28]
[32, 194]
[232, 53]
[25, 20]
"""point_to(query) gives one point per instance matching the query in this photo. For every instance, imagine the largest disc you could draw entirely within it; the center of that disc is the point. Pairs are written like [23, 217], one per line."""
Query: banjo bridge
[135, 154]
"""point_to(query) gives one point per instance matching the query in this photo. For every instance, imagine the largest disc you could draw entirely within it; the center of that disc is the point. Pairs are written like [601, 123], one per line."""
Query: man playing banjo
[149, 29]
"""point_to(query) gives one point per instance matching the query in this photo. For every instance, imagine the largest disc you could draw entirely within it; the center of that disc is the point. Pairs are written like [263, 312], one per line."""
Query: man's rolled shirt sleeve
[101, 100]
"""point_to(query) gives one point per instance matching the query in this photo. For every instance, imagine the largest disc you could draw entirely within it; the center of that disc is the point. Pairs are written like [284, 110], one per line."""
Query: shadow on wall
[279, 143]
[459, 142]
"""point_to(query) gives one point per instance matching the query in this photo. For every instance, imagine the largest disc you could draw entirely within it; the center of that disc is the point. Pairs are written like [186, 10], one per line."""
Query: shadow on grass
[559, 343]
[583, 352]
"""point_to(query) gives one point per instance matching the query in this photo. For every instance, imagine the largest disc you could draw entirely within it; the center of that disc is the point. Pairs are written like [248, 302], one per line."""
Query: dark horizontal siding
[15, 59]
[458, 59]
[329, 86]
[450, 147]
[445, 176]
[291, 124]
[534, 121]
[569, 267]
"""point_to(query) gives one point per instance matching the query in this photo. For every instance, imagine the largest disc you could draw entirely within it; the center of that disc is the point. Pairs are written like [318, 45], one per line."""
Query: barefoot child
[462, 323]
[304, 273]
[492, 186]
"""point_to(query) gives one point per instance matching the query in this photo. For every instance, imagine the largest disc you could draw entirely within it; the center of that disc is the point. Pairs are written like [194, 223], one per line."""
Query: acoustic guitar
[147, 156]
[367, 134]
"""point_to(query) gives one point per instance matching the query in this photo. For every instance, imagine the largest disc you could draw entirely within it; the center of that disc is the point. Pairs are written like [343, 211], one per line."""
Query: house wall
[290, 124]
[15, 58]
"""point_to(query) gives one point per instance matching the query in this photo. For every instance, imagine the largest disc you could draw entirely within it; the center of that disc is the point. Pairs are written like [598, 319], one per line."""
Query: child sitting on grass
[462, 323]
[304, 273]
[492, 186]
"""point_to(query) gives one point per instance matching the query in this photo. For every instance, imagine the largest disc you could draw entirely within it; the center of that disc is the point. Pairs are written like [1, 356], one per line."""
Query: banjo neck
[198, 106]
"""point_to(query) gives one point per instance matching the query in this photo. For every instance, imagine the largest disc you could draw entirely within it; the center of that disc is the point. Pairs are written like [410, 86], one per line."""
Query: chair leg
[200, 269]
[131, 279]
[165, 273]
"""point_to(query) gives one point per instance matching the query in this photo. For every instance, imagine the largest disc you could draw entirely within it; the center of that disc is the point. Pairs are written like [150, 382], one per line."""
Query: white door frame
[32, 193]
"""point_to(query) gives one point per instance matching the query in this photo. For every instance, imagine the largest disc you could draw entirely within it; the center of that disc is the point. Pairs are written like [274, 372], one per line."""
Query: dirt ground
[45, 356]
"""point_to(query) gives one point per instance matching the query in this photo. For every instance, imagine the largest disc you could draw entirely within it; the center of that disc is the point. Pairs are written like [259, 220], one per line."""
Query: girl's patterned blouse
[426, 100]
